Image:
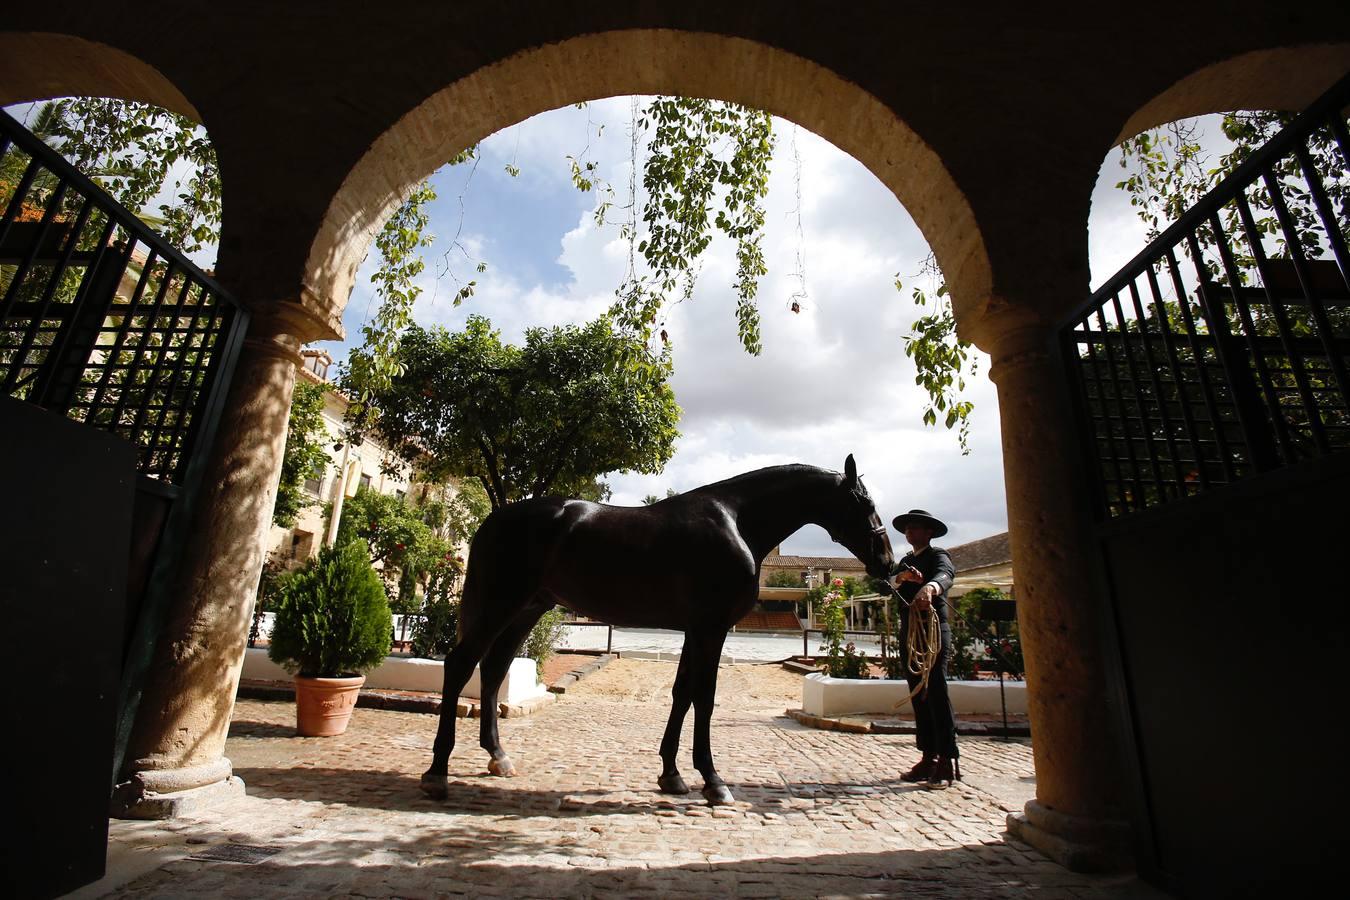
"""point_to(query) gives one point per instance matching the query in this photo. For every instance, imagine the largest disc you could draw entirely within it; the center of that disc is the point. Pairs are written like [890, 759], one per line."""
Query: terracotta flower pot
[323, 706]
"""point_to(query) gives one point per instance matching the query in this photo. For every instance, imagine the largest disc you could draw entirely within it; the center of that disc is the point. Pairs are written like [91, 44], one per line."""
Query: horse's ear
[850, 472]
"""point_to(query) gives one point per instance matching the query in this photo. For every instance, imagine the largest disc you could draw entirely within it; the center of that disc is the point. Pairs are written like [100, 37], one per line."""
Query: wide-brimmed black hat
[920, 517]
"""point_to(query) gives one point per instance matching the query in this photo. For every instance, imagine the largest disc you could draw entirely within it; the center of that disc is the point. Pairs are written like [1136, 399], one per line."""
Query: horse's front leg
[681, 694]
[705, 694]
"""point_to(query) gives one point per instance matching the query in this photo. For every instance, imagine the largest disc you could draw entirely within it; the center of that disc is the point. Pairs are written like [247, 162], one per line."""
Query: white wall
[826, 696]
[400, 674]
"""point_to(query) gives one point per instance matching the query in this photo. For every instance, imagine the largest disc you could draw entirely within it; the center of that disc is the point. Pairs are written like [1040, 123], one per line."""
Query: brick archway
[656, 61]
[87, 69]
[1284, 78]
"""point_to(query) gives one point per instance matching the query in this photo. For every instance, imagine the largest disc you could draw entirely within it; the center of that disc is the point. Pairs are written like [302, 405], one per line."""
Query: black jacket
[936, 565]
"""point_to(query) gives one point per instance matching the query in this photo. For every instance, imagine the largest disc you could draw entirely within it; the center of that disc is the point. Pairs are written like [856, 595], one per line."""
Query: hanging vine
[942, 361]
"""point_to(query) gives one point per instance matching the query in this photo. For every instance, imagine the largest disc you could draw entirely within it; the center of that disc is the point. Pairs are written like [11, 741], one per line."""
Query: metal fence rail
[1221, 351]
[101, 320]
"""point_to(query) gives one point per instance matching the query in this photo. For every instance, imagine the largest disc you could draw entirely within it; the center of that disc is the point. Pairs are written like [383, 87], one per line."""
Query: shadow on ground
[461, 861]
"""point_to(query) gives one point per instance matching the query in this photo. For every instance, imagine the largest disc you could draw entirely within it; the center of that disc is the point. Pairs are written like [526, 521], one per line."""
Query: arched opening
[661, 62]
[87, 69]
[1224, 343]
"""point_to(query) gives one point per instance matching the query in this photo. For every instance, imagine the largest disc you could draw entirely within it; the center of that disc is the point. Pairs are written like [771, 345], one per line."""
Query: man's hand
[923, 600]
[910, 574]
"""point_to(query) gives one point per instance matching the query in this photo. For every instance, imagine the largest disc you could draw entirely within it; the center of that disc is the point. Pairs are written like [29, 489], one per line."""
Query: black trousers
[933, 716]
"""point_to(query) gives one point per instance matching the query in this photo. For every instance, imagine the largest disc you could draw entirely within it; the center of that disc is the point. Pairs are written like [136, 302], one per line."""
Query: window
[302, 544]
[314, 483]
[365, 481]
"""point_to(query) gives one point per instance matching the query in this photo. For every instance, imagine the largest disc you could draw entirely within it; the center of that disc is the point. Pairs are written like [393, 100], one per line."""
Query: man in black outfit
[925, 575]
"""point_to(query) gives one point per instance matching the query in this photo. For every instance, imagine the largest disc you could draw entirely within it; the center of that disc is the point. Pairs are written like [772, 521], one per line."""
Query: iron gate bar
[1306, 283]
[1257, 441]
[1169, 346]
[1342, 135]
[141, 335]
[1282, 324]
[61, 345]
[1178, 480]
[154, 369]
[1273, 395]
[1201, 369]
[1107, 431]
[179, 367]
[1144, 429]
[48, 293]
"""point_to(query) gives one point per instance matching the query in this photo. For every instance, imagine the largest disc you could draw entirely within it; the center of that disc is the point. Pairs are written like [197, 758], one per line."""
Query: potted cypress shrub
[332, 625]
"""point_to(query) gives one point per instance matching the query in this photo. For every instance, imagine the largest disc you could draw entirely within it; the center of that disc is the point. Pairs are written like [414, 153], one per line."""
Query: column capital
[263, 340]
[296, 317]
[1020, 347]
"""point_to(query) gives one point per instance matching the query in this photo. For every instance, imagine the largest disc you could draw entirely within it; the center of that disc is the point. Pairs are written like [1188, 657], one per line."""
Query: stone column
[175, 756]
[1076, 818]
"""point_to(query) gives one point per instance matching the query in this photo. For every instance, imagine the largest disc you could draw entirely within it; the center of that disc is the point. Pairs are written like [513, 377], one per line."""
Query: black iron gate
[103, 324]
[1210, 380]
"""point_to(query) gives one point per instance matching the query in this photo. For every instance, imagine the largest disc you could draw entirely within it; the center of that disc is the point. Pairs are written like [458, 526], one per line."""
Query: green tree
[549, 417]
[1169, 170]
[130, 149]
[415, 542]
[332, 617]
[652, 498]
[306, 451]
[975, 644]
[539, 644]
[784, 579]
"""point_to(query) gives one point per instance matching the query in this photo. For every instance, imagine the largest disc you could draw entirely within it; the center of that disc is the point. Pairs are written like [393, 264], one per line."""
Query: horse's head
[855, 524]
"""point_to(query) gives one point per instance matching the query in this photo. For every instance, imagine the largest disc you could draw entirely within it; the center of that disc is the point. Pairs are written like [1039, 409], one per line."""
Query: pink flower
[838, 582]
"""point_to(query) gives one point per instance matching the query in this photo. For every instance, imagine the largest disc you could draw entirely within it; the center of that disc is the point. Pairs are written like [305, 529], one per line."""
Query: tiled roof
[812, 562]
[990, 551]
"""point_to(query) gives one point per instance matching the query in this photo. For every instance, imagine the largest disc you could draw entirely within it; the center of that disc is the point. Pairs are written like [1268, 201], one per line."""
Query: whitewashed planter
[398, 673]
[828, 697]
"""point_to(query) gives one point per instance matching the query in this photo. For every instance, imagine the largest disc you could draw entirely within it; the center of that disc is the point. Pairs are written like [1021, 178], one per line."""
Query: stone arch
[1284, 78]
[649, 61]
[40, 66]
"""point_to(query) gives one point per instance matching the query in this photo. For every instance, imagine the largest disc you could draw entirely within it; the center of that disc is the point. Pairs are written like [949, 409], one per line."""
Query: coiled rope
[923, 644]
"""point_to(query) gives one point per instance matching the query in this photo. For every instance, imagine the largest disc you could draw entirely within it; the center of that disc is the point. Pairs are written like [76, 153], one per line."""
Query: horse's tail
[477, 577]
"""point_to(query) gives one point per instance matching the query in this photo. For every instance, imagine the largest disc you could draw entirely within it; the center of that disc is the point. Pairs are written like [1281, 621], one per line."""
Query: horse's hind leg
[495, 666]
[477, 633]
[459, 664]
[681, 695]
[705, 694]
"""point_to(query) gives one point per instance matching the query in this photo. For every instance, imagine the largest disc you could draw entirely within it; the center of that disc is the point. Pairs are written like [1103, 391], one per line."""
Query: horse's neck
[772, 508]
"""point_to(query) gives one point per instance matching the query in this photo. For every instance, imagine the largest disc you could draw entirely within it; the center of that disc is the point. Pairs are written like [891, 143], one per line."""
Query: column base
[1076, 843]
[170, 793]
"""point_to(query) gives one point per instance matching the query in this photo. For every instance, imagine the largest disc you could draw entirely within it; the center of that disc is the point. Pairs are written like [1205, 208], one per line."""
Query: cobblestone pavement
[817, 814]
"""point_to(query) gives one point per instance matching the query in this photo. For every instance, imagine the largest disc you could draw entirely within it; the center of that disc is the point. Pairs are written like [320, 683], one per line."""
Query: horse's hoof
[672, 784]
[437, 787]
[503, 767]
[717, 795]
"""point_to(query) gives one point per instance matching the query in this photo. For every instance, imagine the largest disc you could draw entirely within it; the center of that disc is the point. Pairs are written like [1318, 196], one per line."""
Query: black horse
[690, 562]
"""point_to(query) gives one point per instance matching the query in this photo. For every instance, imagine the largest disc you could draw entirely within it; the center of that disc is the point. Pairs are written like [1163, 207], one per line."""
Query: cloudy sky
[832, 380]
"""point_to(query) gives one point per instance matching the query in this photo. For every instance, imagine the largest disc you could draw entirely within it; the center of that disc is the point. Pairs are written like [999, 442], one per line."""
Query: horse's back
[666, 566]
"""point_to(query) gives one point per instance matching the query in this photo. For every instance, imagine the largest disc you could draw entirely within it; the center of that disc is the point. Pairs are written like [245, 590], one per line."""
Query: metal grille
[248, 854]
[1221, 351]
[100, 319]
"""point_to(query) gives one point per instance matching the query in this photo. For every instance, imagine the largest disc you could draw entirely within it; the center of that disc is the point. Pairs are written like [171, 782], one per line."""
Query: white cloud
[832, 379]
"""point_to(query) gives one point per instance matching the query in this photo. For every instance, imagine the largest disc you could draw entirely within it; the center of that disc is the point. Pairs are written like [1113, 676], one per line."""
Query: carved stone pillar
[176, 759]
[1076, 818]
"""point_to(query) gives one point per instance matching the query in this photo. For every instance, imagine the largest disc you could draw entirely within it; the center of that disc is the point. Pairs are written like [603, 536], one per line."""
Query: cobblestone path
[817, 813]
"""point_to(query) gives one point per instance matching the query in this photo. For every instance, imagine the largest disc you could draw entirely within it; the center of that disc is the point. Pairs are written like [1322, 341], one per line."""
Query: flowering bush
[843, 659]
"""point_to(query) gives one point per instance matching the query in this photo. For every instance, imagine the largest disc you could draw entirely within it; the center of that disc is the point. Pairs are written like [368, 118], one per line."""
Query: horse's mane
[773, 474]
